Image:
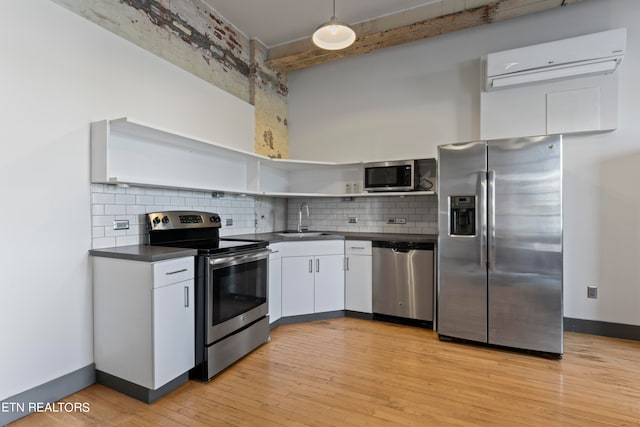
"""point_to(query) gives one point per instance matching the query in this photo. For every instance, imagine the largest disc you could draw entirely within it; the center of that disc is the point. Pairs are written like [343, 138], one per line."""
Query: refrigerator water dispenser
[462, 215]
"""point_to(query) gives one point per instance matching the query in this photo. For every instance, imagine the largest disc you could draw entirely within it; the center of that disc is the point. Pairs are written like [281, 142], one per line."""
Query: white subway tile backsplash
[110, 232]
[127, 240]
[154, 191]
[135, 209]
[97, 232]
[161, 200]
[103, 198]
[373, 214]
[104, 242]
[97, 209]
[115, 209]
[135, 190]
[113, 188]
[110, 202]
[125, 199]
[144, 200]
[169, 192]
[103, 220]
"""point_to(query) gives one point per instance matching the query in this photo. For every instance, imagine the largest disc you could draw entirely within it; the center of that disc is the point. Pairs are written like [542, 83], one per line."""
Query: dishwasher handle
[401, 250]
[403, 247]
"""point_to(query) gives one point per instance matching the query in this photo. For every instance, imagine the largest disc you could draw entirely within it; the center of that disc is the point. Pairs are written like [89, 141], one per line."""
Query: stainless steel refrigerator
[500, 242]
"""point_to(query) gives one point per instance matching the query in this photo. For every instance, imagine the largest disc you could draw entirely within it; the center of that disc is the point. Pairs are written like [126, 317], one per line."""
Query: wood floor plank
[352, 372]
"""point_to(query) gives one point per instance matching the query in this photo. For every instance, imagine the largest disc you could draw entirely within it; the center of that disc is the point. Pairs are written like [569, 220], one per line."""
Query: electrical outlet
[353, 220]
[401, 220]
[592, 292]
[121, 224]
[229, 222]
[391, 221]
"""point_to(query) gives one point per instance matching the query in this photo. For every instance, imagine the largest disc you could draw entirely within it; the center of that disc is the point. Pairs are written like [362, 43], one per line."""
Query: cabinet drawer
[172, 271]
[357, 247]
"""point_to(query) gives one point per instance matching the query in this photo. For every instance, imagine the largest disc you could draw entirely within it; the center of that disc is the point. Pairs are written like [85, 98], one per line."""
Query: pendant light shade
[333, 35]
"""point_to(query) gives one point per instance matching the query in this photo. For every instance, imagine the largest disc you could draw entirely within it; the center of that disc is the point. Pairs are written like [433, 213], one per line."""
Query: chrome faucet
[303, 205]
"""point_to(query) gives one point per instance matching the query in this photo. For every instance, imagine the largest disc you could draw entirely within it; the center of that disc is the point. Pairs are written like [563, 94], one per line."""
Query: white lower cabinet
[275, 283]
[297, 286]
[312, 277]
[358, 276]
[144, 319]
[329, 283]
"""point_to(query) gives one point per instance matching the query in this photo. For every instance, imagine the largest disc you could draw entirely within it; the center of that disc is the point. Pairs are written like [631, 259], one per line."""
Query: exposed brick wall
[192, 36]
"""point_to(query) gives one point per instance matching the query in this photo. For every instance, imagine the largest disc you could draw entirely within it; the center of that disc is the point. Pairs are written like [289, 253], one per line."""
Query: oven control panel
[172, 220]
[190, 219]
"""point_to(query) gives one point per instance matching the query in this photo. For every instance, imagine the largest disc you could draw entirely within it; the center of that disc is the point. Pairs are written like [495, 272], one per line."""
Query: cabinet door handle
[310, 266]
[317, 265]
[356, 247]
[346, 263]
[169, 273]
[186, 296]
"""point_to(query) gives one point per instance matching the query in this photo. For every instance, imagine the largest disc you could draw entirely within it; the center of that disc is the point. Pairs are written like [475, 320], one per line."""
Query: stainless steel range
[230, 289]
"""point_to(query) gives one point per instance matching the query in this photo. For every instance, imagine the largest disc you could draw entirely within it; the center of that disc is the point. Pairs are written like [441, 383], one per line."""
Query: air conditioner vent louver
[592, 54]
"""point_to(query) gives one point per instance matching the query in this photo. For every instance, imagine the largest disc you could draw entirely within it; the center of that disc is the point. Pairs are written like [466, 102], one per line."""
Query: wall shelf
[128, 152]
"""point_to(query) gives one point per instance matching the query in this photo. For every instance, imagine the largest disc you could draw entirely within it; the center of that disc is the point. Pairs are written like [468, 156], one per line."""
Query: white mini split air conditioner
[592, 54]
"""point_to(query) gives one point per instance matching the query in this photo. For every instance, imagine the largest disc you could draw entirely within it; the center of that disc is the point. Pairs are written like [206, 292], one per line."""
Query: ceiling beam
[384, 32]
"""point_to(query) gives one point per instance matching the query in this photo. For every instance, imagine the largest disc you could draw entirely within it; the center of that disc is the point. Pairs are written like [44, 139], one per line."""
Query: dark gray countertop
[389, 237]
[160, 253]
[143, 253]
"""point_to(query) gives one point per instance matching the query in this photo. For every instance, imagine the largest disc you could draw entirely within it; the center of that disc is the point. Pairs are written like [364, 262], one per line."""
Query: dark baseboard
[310, 317]
[358, 315]
[592, 327]
[137, 391]
[35, 399]
[605, 329]
[427, 324]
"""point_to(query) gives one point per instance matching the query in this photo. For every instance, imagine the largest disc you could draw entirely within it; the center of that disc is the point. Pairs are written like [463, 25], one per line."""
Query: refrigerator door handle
[491, 209]
[482, 211]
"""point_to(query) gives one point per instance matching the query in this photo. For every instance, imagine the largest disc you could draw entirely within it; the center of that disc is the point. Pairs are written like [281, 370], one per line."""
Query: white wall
[404, 101]
[59, 72]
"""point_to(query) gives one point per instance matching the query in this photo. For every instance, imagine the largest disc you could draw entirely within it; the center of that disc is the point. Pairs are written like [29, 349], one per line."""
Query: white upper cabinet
[130, 152]
[125, 151]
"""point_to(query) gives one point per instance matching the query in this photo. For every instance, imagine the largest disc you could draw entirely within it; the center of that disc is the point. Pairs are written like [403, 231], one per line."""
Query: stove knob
[156, 221]
[215, 218]
[165, 220]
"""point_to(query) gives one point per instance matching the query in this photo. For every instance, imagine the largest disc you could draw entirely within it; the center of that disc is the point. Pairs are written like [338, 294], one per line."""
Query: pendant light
[333, 35]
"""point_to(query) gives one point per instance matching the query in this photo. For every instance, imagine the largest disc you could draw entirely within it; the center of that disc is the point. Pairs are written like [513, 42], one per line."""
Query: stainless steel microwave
[390, 176]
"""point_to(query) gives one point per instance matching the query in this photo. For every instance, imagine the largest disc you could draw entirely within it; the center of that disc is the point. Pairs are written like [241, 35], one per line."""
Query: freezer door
[462, 275]
[525, 243]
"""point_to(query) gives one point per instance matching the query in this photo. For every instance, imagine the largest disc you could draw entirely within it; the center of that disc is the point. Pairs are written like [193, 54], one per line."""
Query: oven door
[236, 292]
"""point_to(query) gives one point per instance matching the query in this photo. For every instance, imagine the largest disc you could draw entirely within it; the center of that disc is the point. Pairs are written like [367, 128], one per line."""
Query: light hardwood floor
[351, 372]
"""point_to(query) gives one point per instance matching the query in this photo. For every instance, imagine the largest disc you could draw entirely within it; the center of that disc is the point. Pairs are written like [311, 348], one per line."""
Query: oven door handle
[228, 261]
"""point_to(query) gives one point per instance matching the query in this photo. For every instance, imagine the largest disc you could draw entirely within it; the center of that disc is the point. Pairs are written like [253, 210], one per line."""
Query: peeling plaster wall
[269, 93]
[194, 37]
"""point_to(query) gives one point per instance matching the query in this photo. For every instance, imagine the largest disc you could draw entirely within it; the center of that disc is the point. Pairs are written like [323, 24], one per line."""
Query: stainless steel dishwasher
[403, 278]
